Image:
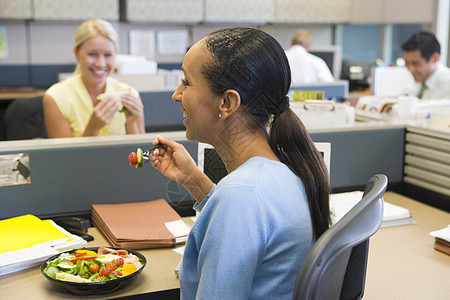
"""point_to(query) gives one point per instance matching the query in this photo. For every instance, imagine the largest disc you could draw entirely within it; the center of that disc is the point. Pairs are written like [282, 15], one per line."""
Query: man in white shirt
[306, 67]
[432, 78]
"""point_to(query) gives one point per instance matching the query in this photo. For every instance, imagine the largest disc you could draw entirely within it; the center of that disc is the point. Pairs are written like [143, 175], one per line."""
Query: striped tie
[421, 90]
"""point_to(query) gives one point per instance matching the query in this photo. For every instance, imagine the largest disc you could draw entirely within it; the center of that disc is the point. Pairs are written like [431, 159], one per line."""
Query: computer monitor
[332, 55]
[390, 81]
[210, 163]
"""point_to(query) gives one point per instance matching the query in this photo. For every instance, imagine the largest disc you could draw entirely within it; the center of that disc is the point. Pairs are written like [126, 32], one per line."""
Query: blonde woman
[90, 103]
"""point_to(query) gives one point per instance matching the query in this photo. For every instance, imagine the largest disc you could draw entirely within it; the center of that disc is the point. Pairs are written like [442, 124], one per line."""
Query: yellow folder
[25, 231]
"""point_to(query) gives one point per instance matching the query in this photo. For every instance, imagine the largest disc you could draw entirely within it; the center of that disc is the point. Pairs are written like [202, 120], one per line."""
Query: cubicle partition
[68, 175]
[361, 152]
[164, 114]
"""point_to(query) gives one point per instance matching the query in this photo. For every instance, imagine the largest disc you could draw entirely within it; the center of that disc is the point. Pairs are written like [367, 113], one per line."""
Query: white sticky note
[177, 228]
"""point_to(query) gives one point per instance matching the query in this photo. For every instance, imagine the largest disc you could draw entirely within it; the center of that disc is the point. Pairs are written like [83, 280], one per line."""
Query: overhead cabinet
[392, 11]
[176, 11]
[231, 11]
[17, 9]
[312, 11]
[76, 10]
[60, 10]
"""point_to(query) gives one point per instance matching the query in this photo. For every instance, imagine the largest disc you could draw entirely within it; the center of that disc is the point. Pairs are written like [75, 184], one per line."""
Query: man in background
[432, 78]
[306, 67]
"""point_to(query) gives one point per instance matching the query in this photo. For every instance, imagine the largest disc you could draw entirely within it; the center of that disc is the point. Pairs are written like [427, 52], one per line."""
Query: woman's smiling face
[96, 58]
[199, 105]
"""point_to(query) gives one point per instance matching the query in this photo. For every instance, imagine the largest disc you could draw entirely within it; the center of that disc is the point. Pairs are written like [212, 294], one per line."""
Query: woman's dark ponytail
[294, 147]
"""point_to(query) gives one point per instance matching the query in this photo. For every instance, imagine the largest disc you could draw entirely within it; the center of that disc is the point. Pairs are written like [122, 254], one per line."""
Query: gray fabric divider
[65, 180]
[358, 155]
[69, 180]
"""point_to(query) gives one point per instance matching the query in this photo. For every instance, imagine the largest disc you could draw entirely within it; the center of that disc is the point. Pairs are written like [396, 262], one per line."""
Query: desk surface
[7, 96]
[402, 264]
[402, 261]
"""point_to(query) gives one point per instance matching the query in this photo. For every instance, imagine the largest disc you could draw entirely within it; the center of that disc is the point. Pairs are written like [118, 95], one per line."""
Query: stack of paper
[140, 225]
[442, 239]
[27, 241]
[393, 215]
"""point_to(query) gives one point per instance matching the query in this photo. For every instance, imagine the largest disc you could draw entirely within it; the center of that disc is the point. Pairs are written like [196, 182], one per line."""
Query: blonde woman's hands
[134, 107]
[103, 112]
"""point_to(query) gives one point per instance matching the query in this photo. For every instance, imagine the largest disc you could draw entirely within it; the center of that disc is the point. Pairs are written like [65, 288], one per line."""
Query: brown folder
[138, 225]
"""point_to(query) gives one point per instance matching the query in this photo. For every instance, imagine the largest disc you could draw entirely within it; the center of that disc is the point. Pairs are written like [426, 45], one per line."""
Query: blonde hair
[303, 38]
[93, 28]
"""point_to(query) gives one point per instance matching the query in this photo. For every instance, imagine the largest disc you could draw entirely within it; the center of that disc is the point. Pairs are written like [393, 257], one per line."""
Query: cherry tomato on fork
[133, 159]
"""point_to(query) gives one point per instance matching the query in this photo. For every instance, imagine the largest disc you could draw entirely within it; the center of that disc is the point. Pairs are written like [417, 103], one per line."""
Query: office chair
[335, 268]
[24, 119]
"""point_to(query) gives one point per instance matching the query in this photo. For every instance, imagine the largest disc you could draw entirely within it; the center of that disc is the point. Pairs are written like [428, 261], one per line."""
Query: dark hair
[423, 41]
[254, 64]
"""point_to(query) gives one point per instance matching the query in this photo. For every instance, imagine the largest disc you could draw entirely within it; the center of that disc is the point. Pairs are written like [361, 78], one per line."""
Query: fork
[148, 152]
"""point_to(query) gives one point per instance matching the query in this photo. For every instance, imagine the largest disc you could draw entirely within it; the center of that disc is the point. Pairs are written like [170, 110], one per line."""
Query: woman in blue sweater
[257, 224]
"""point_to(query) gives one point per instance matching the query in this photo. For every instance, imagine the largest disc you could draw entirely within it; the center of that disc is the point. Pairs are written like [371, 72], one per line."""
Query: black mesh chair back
[24, 119]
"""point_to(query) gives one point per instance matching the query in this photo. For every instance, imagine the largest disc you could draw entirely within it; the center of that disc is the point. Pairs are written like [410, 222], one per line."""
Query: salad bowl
[94, 288]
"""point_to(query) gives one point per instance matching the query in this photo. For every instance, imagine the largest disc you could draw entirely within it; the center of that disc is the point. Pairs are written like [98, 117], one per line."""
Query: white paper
[179, 250]
[341, 203]
[394, 212]
[142, 43]
[393, 215]
[442, 233]
[172, 42]
[18, 260]
[177, 228]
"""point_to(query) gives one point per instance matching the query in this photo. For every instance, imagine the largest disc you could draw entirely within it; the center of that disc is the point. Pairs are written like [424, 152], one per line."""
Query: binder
[139, 225]
[26, 241]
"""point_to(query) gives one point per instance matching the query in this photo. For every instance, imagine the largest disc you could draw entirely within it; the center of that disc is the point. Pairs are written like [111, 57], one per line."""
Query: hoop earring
[220, 115]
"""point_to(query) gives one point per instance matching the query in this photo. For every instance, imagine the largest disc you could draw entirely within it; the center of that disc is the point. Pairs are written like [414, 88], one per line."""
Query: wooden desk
[10, 96]
[402, 264]
[158, 275]
[402, 261]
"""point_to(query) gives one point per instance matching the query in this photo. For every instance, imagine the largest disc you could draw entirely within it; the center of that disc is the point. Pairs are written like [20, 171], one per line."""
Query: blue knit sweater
[251, 237]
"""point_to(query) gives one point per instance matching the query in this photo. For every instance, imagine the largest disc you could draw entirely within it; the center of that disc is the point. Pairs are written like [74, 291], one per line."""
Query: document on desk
[140, 225]
[442, 239]
[26, 241]
[393, 215]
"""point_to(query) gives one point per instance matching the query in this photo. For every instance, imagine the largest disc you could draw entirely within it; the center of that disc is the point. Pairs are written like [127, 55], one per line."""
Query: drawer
[427, 185]
[428, 142]
[428, 153]
[429, 165]
[427, 176]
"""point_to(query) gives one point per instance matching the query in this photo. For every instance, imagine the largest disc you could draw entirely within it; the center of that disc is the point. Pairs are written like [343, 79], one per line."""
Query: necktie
[421, 90]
